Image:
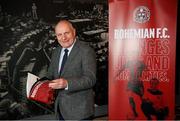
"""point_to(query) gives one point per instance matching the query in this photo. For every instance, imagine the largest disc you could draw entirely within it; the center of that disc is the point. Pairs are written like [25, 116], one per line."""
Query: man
[153, 103]
[135, 86]
[34, 11]
[75, 99]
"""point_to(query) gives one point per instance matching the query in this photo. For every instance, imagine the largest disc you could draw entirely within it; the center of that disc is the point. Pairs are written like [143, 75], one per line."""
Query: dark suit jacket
[80, 70]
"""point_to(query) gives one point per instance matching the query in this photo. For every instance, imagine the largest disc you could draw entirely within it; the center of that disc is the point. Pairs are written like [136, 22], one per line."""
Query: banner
[142, 49]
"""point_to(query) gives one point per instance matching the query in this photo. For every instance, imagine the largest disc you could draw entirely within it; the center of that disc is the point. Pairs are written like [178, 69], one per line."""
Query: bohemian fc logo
[141, 14]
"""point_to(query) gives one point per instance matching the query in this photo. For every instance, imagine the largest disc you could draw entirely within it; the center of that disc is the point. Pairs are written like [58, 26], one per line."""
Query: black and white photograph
[27, 40]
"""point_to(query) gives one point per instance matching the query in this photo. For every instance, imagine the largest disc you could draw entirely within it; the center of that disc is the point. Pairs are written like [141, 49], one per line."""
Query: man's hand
[58, 83]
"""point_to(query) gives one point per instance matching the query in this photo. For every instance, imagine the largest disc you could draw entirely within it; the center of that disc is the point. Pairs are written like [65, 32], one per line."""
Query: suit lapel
[57, 62]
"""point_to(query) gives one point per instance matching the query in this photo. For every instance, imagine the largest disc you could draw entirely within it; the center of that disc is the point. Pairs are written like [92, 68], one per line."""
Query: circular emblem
[141, 14]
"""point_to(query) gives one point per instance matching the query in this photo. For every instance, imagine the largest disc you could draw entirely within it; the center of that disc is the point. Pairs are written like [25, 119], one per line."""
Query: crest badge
[141, 14]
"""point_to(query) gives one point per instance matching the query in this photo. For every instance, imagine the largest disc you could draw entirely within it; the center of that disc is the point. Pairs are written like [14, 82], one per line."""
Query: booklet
[31, 79]
[38, 89]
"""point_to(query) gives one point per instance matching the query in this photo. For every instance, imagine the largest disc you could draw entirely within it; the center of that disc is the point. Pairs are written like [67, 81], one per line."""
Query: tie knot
[66, 50]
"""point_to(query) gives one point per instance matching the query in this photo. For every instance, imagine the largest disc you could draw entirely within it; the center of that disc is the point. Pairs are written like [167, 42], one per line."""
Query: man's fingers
[54, 81]
[57, 84]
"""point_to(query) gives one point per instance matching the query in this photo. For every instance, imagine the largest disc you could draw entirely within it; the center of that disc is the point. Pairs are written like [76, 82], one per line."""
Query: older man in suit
[73, 73]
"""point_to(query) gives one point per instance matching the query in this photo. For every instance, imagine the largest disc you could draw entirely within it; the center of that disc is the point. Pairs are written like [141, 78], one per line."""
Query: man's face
[65, 34]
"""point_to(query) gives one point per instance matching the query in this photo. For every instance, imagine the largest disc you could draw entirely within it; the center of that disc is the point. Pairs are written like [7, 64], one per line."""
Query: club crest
[141, 14]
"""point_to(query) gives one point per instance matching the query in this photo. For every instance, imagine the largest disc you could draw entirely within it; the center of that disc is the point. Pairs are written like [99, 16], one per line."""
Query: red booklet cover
[37, 89]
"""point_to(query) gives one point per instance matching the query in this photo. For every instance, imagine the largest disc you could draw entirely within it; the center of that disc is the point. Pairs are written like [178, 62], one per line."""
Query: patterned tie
[64, 60]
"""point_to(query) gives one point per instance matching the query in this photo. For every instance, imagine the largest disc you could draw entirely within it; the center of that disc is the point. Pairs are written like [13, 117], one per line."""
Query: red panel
[142, 41]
